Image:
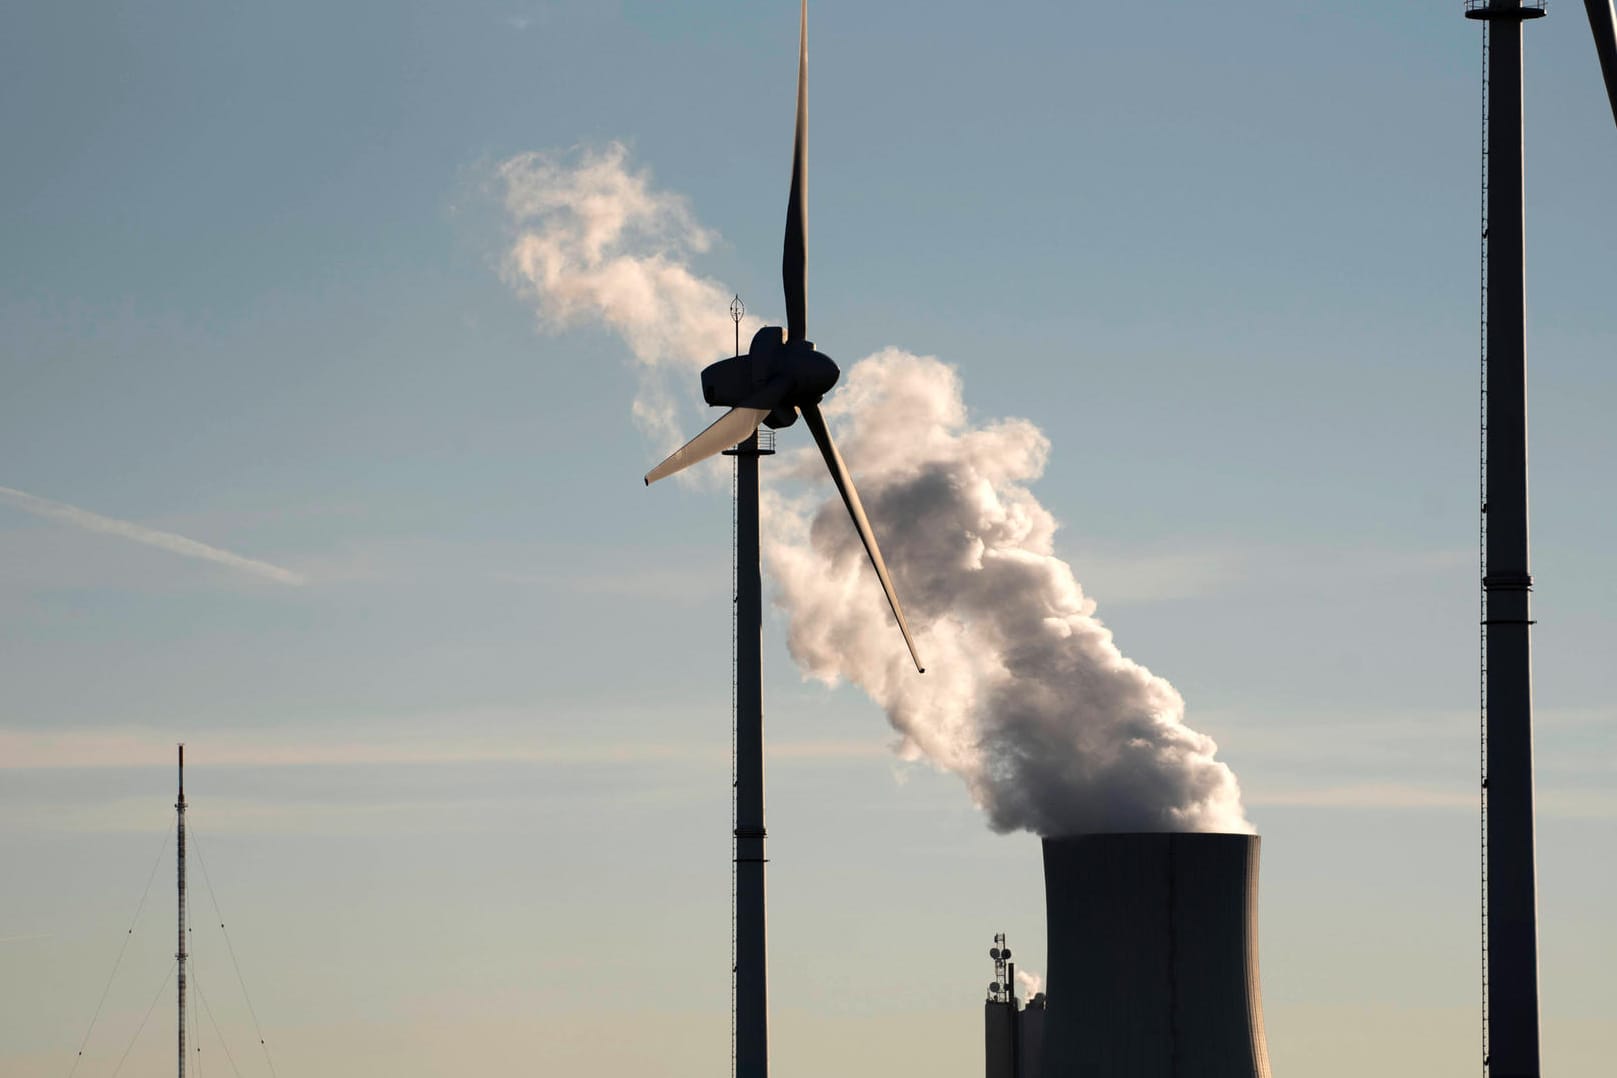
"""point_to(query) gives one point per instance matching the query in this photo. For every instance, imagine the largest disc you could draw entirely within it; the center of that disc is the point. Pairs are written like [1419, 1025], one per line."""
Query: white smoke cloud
[595, 243]
[1026, 697]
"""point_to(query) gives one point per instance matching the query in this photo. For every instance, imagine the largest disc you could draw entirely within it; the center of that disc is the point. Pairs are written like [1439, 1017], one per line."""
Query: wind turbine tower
[750, 981]
[1510, 903]
[781, 378]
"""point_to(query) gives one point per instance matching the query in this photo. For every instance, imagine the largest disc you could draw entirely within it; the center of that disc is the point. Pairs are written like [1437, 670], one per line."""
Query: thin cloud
[378, 745]
[1366, 795]
[174, 544]
[1575, 803]
[673, 585]
[26, 937]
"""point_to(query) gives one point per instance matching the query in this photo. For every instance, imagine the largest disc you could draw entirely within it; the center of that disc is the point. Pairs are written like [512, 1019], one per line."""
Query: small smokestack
[1153, 963]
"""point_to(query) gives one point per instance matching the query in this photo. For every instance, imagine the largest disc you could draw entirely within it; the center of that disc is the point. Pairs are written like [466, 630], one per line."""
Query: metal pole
[1016, 1024]
[179, 955]
[752, 1009]
[1512, 995]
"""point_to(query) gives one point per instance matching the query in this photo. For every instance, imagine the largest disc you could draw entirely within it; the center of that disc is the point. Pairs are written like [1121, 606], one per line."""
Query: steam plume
[596, 244]
[1026, 698]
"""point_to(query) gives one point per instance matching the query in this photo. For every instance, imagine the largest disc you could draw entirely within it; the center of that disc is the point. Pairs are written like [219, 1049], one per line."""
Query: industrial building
[1013, 1031]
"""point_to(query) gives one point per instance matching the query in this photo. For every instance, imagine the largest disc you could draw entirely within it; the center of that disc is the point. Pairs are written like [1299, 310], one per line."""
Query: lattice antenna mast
[179, 955]
[1000, 989]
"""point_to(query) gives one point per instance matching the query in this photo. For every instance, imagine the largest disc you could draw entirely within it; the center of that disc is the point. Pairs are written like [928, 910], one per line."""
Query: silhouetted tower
[750, 987]
[999, 1015]
[1510, 905]
[1510, 1025]
[1012, 1034]
[781, 378]
[179, 954]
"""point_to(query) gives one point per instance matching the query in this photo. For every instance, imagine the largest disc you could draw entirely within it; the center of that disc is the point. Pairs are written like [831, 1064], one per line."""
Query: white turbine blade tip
[734, 426]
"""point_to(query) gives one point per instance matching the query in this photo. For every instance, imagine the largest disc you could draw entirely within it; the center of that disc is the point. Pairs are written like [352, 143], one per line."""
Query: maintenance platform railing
[1503, 9]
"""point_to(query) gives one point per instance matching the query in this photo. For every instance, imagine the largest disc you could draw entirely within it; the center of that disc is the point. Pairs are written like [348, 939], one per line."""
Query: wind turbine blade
[1603, 22]
[794, 254]
[856, 509]
[733, 426]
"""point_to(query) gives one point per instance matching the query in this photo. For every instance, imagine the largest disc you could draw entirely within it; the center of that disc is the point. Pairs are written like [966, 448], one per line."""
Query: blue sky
[464, 790]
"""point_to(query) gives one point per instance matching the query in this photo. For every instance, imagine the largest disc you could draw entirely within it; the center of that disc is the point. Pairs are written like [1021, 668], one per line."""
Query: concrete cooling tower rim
[1153, 956]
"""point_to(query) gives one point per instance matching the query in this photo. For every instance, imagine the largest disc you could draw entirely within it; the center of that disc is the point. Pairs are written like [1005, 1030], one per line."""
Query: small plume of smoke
[1026, 698]
[1030, 984]
[596, 243]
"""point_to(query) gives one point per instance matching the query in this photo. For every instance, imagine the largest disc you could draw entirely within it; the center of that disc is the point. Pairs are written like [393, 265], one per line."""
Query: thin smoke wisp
[595, 243]
[1027, 698]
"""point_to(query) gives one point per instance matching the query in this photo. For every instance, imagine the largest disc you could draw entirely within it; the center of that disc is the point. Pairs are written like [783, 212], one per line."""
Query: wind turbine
[1510, 902]
[781, 377]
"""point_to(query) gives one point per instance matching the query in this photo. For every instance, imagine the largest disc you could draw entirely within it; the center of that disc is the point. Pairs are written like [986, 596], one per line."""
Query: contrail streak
[174, 544]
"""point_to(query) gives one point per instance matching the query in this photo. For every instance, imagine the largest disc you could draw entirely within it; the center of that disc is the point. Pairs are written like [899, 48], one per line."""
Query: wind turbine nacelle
[775, 373]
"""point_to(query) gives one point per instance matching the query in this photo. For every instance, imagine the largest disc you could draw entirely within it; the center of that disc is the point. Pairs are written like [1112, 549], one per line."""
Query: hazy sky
[291, 472]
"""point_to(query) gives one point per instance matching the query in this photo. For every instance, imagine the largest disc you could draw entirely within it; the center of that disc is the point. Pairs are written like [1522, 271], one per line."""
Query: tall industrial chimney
[1153, 960]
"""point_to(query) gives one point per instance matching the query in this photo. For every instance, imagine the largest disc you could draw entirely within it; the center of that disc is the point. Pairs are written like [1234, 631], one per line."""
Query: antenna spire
[179, 955]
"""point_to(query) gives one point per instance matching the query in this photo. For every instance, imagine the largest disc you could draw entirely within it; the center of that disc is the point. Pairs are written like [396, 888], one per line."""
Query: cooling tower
[1153, 961]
